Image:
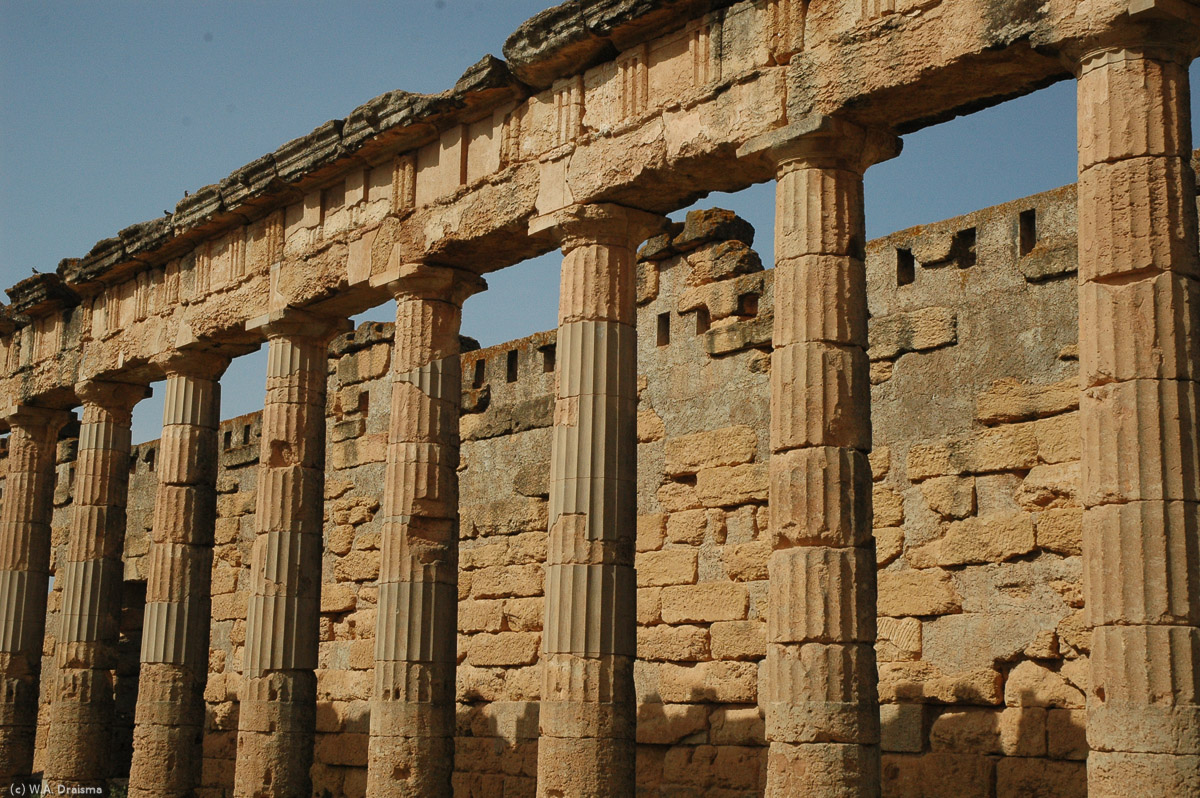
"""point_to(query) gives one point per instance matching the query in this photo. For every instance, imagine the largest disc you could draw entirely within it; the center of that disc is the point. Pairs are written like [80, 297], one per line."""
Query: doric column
[819, 694]
[277, 716]
[24, 579]
[1139, 345]
[411, 749]
[169, 726]
[588, 709]
[81, 708]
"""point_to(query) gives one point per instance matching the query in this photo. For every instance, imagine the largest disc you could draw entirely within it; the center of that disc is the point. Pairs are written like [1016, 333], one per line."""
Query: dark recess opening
[477, 382]
[906, 267]
[664, 328]
[1028, 227]
[511, 374]
[964, 246]
[702, 320]
[748, 305]
[228, 438]
[246, 435]
[548, 359]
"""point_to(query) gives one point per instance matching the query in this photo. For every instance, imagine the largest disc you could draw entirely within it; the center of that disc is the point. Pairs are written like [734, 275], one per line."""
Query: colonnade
[1139, 322]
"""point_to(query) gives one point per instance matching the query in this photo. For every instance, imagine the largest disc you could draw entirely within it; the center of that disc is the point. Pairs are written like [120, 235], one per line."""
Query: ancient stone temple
[912, 517]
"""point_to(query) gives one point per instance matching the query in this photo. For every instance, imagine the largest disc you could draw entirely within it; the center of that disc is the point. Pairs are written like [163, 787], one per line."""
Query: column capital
[597, 223]
[292, 322]
[26, 416]
[114, 396]
[1166, 30]
[824, 142]
[421, 280]
[206, 365]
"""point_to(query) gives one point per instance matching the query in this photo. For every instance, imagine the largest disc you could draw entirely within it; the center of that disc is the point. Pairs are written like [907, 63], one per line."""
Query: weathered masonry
[664, 549]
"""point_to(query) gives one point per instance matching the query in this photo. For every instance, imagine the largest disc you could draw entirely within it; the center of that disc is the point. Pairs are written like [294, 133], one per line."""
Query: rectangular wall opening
[964, 247]
[228, 439]
[702, 320]
[246, 435]
[1027, 224]
[664, 328]
[477, 382]
[548, 353]
[906, 267]
[748, 305]
[511, 367]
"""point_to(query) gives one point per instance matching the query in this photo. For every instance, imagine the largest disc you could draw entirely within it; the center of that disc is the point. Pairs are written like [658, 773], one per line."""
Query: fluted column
[169, 724]
[24, 579]
[81, 709]
[587, 714]
[411, 750]
[820, 692]
[277, 715]
[1139, 345]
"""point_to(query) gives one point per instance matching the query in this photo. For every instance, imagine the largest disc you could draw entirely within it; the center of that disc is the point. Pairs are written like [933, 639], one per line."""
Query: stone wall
[982, 641]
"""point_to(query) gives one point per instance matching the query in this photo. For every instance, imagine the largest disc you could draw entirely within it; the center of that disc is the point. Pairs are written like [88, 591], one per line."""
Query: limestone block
[728, 446]
[913, 331]
[1006, 448]
[730, 486]
[979, 539]
[673, 643]
[1139, 442]
[902, 727]
[889, 544]
[667, 724]
[1020, 776]
[746, 562]
[651, 530]
[1140, 329]
[1010, 400]
[917, 592]
[475, 615]
[939, 775]
[821, 392]
[1137, 215]
[821, 594]
[1011, 732]
[503, 649]
[1141, 566]
[821, 497]
[950, 497]
[1066, 734]
[649, 427]
[898, 639]
[888, 506]
[1031, 684]
[524, 614]
[1127, 107]
[709, 682]
[924, 682]
[738, 640]
[1058, 438]
[1060, 531]
[820, 298]
[1049, 486]
[732, 725]
[704, 603]
[507, 581]
[1111, 773]
[688, 526]
[668, 567]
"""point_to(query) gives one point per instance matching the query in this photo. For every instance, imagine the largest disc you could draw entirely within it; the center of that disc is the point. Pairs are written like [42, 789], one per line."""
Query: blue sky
[110, 111]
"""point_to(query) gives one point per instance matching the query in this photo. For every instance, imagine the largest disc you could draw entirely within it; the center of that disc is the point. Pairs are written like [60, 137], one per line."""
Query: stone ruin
[917, 516]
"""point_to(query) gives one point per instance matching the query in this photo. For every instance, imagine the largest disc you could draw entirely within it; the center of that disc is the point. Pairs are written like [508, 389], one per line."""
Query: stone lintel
[20, 415]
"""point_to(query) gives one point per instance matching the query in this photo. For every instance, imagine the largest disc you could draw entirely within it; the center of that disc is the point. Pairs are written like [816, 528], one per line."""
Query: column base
[1119, 775]
[585, 768]
[827, 770]
[410, 767]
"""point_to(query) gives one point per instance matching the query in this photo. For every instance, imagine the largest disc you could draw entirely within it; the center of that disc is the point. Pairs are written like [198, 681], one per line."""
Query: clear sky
[110, 111]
